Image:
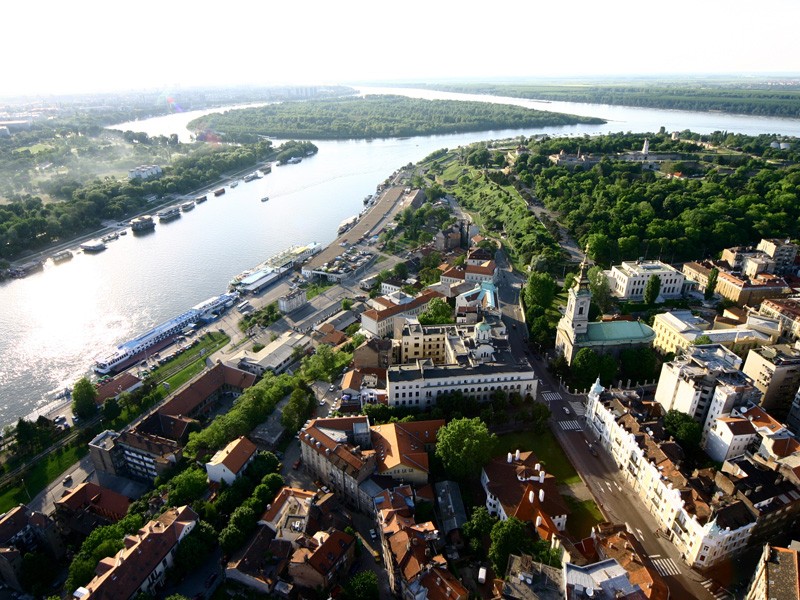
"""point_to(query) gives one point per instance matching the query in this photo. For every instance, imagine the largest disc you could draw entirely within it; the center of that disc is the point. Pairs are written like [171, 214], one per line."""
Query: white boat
[187, 206]
[173, 212]
[93, 246]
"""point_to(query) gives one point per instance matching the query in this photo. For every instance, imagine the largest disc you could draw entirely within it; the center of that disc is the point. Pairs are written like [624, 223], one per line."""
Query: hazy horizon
[53, 49]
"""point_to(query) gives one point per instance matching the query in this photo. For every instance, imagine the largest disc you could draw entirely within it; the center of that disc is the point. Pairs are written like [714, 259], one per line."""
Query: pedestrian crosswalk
[719, 594]
[666, 567]
[550, 396]
[571, 425]
[580, 409]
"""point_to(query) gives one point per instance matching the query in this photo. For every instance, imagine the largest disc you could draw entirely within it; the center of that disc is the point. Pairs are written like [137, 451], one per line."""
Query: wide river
[55, 323]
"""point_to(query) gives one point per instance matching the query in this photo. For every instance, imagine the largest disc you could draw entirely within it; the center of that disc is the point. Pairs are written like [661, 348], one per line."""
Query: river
[56, 322]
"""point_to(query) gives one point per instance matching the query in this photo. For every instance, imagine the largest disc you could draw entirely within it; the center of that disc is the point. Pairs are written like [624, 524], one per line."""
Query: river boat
[219, 191]
[234, 184]
[266, 169]
[162, 335]
[187, 206]
[265, 199]
[26, 269]
[124, 232]
[143, 224]
[168, 214]
[257, 278]
[251, 177]
[110, 237]
[60, 257]
[294, 160]
[200, 199]
[93, 246]
[347, 224]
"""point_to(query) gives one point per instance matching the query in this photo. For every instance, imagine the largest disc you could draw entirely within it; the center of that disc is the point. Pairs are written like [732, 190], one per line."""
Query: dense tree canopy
[464, 446]
[375, 117]
[84, 397]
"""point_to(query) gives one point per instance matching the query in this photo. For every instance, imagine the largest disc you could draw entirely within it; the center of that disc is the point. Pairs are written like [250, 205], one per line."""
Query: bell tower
[575, 321]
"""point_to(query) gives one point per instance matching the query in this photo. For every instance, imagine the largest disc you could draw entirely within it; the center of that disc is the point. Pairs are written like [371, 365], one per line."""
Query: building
[629, 280]
[155, 444]
[339, 452]
[783, 252]
[739, 288]
[88, 506]
[325, 562]
[518, 486]
[729, 437]
[678, 330]
[793, 420]
[22, 531]
[380, 323]
[615, 542]
[275, 357]
[145, 172]
[402, 449]
[775, 370]
[777, 574]
[288, 514]
[787, 311]
[527, 579]
[705, 383]
[141, 565]
[575, 332]
[374, 353]
[704, 523]
[483, 297]
[261, 563]
[292, 301]
[606, 580]
[231, 462]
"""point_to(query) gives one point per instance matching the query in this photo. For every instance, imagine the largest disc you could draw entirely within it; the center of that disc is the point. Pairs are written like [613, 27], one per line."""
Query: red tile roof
[235, 455]
[97, 499]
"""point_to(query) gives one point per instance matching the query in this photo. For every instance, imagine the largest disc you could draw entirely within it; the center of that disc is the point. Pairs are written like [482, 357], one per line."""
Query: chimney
[509, 458]
[538, 466]
[538, 520]
[541, 476]
[516, 456]
[531, 496]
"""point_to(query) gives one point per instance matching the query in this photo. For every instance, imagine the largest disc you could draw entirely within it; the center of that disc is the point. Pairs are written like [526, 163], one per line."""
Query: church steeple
[576, 316]
[582, 281]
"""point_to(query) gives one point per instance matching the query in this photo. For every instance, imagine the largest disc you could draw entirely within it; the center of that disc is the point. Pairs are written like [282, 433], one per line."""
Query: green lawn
[40, 475]
[315, 289]
[582, 517]
[546, 449]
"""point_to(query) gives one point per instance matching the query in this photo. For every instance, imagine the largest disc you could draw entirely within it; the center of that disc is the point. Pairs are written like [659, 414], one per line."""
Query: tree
[540, 290]
[686, 431]
[508, 537]
[187, 486]
[84, 397]
[464, 446]
[480, 523]
[297, 410]
[652, 288]
[362, 586]
[701, 340]
[111, 409]
[601, 291]
[347, 303]
[400, 270]
[708, 293]
[437, 313]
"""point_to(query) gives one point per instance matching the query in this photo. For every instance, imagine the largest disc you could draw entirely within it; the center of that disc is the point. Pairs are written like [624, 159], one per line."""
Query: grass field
[545, 447]
[582, 517]
[39, 476]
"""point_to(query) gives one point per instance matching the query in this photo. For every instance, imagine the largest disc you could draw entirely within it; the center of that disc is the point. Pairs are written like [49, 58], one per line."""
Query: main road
[602, 477]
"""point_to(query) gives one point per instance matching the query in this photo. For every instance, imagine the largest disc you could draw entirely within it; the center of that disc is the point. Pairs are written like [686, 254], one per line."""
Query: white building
[729, 437]
[628, 280]
[145, 172]
[705, 384]
[292, 301]
[776, 372]
[231, 462]
[704, 531]
[275, 356]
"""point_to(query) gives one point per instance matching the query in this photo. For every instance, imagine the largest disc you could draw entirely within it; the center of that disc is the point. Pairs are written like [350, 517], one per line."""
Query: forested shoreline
[773, 101]
[374, 117]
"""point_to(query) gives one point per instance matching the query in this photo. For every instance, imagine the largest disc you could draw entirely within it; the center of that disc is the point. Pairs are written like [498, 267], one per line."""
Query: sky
[54, 47]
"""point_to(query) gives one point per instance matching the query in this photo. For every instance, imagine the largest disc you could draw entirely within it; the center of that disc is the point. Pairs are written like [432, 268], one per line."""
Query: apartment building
[783, 252]
[739, 288]
[787, 311]
[628, 280]
[380, 323]
[775, 370]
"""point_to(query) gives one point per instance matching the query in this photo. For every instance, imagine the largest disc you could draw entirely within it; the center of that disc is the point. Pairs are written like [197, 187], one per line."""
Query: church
[611, 337]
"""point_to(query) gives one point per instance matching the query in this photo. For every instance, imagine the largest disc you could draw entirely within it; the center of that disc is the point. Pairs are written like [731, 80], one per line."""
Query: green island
[374, 117]
[756, 98]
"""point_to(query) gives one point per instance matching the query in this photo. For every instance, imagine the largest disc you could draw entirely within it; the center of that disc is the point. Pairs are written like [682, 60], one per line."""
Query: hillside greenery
[758, 98]
[624, 211]
[374, 117]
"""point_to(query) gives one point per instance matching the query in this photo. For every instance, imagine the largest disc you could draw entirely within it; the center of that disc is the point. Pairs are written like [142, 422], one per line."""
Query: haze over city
[52, 47]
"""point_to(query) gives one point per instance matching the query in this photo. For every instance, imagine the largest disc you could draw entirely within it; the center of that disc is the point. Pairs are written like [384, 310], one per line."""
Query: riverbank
[110, 226]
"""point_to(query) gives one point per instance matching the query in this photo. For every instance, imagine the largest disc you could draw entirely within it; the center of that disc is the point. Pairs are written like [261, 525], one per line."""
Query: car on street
[373, 534]
[332, 388]
[67, 480]
[322, 402]
[566, 410]
[592, 450]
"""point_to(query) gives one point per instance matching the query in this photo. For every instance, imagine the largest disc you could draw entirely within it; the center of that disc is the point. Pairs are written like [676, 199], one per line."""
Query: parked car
[373, 534]
[297, 463]
[566, 410]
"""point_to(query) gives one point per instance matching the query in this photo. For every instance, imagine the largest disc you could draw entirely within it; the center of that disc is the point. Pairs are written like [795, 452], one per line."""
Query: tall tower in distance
[575, 321]
[646, 147]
